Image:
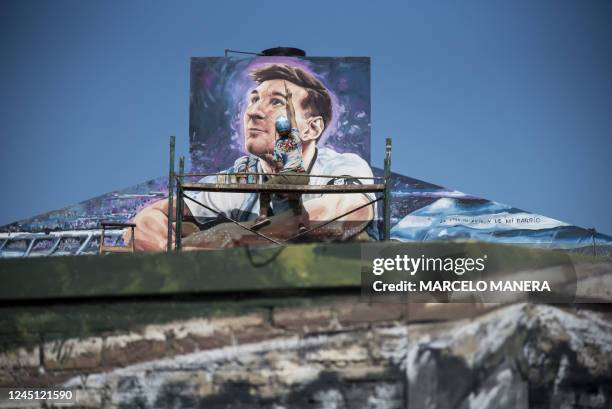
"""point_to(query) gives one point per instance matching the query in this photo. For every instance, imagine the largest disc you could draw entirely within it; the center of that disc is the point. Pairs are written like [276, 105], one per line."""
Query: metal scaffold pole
[170, 192]
[387, 194]
[179, 202]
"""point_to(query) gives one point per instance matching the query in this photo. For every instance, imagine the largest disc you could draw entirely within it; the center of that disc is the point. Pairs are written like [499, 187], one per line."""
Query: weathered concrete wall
[339, 354]
[286, 328]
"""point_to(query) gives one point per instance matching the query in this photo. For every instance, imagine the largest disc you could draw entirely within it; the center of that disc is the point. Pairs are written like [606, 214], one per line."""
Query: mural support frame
[387, 194]
[170, 191]
[179, 203]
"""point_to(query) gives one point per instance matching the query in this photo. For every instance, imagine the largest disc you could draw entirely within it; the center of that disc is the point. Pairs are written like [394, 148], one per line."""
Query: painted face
[266, 102]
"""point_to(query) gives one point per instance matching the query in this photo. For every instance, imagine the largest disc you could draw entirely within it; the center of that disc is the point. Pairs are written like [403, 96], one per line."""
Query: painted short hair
[318, 101]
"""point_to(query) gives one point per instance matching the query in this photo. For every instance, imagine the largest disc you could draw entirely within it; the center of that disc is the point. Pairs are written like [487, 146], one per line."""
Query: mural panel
[234, 107]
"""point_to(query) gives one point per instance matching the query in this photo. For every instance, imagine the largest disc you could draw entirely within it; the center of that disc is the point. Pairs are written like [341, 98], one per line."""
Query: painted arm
[328, 207]
[285, 225]
[321, 210]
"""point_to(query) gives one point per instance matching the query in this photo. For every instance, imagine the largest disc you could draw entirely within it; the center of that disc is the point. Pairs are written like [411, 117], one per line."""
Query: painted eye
[277, 102]
[254, 99]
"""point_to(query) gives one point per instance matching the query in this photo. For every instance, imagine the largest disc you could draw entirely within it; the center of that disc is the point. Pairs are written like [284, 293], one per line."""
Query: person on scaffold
[289, 166]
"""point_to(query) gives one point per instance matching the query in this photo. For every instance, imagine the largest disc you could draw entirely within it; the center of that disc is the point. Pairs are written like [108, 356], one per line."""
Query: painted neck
[308, 152]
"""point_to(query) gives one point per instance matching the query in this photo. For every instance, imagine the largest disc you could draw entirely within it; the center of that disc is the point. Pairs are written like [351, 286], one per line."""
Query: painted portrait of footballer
[234, 112]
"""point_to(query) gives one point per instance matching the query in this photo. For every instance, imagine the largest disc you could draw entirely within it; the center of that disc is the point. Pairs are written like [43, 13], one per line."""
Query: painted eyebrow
[279, 94]
[254, 92]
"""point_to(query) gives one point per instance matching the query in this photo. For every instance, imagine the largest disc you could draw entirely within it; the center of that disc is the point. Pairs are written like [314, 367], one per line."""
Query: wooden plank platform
[117, 249]
[257, 188]
[116, 224]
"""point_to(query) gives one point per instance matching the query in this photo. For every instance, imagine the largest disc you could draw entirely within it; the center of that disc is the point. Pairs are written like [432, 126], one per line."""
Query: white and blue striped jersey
[245, 206]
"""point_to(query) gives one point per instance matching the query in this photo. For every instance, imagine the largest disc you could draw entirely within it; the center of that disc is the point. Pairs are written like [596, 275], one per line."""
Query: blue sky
[511, 101]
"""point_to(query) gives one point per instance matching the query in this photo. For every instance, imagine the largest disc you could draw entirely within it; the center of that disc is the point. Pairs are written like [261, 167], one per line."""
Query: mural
[422, 211]
[219, 99]
[234, 107]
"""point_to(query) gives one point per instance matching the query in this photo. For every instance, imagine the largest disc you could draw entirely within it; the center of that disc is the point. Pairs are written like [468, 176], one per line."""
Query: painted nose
[254, 112]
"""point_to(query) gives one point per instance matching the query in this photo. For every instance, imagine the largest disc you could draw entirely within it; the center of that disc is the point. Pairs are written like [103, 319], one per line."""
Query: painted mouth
[256, 131]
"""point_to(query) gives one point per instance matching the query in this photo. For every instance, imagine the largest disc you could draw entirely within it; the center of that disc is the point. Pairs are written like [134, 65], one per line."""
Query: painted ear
[314, 128]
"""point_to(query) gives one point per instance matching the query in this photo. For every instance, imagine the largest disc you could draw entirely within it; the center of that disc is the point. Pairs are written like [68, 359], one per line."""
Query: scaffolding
[253, 183]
